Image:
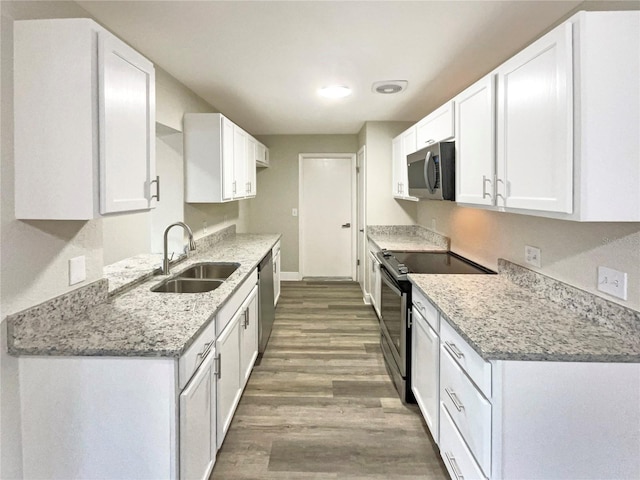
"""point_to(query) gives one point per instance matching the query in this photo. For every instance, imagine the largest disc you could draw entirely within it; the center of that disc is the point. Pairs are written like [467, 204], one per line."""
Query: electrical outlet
[612, 282]
[77, 270]
[204, 227]
[294, 212]
[532, 255]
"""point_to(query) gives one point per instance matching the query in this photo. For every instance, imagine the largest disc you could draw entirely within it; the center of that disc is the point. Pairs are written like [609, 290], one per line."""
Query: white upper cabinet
[84, 122]
[401, 146]
[435, 127]
[240, 148]
[566, 126]
[534, 125]
[261, 154]
[219, 158]
[475, 142]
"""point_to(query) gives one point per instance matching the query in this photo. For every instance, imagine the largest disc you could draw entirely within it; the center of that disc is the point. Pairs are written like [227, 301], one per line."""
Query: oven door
[393, 319]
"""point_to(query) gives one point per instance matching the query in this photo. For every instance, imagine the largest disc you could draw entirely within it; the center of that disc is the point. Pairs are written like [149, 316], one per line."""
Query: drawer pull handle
[454, 466]
[455, 350]
[205, 351]
[420, 306]
[454, 398]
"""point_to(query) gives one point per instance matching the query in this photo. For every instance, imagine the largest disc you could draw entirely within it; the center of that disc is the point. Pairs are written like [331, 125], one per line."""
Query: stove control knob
[386, 254]
[402, 268]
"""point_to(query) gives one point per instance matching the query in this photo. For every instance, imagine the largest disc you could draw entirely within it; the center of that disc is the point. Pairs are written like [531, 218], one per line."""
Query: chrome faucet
[192, 245]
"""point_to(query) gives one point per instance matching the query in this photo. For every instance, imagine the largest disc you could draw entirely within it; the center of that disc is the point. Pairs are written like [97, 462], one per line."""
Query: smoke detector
[389, 87]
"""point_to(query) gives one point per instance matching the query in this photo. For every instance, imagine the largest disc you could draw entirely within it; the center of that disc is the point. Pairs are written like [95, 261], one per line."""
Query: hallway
[320, 405]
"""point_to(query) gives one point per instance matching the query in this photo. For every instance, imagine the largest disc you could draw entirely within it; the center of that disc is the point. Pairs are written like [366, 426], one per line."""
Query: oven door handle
[389, 280]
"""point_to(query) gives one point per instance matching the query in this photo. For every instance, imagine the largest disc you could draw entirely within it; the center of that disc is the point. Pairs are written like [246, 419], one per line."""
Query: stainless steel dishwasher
[267, 312]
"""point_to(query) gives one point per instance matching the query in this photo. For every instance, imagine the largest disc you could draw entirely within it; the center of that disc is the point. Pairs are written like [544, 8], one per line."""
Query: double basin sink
[203, 277]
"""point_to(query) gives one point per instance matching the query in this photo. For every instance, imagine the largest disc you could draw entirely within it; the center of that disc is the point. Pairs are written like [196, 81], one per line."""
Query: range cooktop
[400, 263]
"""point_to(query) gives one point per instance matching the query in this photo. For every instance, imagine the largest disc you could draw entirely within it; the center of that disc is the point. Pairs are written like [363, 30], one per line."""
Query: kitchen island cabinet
[84, 122]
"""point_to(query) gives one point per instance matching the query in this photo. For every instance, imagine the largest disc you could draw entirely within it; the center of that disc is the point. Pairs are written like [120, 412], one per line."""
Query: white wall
[570, 251]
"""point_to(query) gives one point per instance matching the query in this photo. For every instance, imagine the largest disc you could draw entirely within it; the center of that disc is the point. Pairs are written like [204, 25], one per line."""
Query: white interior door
[327, 204]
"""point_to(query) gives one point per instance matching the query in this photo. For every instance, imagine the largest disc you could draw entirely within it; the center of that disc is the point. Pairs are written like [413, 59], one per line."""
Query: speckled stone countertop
[137, 322]
[407, 238]
[506, 317]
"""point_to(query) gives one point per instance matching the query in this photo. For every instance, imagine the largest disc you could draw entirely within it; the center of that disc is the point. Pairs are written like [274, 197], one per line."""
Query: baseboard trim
[290, 276]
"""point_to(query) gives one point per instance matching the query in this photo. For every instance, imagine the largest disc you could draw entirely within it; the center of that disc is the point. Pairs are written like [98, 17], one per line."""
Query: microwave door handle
[426, 168]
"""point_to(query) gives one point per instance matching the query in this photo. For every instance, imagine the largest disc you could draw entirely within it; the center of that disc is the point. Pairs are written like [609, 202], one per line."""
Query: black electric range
[395, 308]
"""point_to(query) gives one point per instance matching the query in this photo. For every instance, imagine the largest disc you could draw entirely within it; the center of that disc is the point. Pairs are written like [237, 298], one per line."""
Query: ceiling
[261, 63]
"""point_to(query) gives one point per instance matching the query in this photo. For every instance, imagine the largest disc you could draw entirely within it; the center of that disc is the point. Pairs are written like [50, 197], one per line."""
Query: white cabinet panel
[198, 423]
[425, 371]
[240, 147]
[229, 387]
[91, 100]
[276, 272]
[127, 126]
[475, 143]
[248, 336]
[535, 125]
[435, 127]
[469, 410]
[457, 457]
[402, 145]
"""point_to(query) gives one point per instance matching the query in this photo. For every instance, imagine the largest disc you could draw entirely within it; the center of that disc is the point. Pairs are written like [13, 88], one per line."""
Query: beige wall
[277, 194]
[382, 208]
[570, 251]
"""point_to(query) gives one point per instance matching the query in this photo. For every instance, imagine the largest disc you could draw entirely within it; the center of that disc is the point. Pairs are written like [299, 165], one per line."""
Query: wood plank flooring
[320, 404]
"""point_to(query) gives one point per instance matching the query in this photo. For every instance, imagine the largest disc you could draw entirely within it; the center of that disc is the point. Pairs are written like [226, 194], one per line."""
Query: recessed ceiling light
[388, 87]
[335, 91]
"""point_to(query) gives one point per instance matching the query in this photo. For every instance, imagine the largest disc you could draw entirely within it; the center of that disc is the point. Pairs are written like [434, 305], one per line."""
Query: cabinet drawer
[436, 126]
[227, 311]
[193, 357]
[457, 457]
[426, 308]
[469, 410]
[474, 366]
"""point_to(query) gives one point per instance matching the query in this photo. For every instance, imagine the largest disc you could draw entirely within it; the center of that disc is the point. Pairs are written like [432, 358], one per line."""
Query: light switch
[77, 270]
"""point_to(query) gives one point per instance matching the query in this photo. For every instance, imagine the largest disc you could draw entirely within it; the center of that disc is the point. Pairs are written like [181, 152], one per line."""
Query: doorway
[327, 214]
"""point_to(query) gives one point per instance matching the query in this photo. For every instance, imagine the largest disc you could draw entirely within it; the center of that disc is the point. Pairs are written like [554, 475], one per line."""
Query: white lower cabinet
[374, 278]
[136, 417]
[457, 457]
[512, 419]
[198, 423]
[275, 252]
[424, 371]
[229, 386]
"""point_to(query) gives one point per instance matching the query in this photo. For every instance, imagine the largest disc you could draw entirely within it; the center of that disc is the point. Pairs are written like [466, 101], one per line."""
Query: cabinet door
[408, 146]
[396, 165]
[435, 127]
[198, 423]
[475, 145]
[424, 371]
[227, 159]
[248, 336]
[127, 126]
[535, 125]
[276, 276]
[240, 140]
[252, 147]
[228, 388]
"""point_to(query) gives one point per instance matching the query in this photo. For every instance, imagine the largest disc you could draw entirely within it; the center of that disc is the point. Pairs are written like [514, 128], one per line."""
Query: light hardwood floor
[320, 404]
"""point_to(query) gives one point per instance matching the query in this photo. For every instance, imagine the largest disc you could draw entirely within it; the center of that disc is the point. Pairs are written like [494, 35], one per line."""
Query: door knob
[346, 225]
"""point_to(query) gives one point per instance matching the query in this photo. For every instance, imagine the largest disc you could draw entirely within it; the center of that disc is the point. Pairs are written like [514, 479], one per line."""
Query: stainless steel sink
[212, 270]
[186, 285]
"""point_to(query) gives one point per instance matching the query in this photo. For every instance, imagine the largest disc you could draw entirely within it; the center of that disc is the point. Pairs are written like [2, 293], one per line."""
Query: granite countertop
[502, 320]
[407, 238]
[139, 322]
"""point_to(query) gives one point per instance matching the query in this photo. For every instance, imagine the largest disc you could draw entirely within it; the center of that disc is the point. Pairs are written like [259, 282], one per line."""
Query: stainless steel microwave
[431, 172]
